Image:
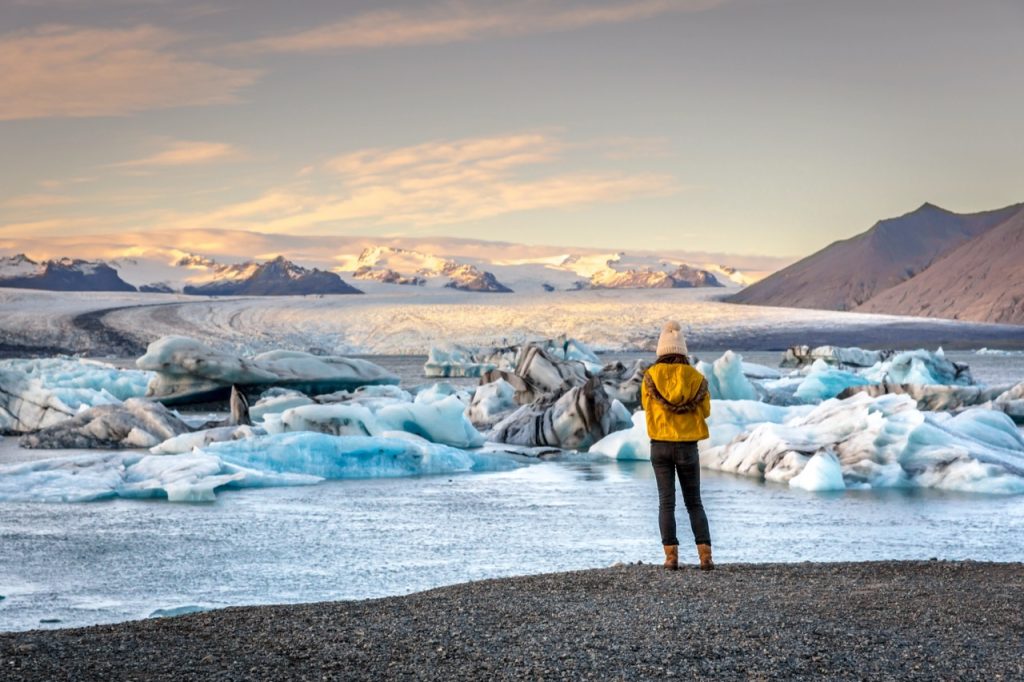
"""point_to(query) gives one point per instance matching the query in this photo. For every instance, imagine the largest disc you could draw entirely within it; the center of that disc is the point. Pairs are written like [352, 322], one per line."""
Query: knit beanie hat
[672, 340]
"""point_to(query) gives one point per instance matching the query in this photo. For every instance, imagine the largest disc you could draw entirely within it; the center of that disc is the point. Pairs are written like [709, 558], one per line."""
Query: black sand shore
[885, 620]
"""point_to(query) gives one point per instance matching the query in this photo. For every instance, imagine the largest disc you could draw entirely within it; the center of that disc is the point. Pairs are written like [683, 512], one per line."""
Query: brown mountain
[982, 280]
[847, 273]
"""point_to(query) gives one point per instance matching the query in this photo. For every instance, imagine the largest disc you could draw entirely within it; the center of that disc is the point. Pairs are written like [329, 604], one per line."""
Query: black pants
[671, 460]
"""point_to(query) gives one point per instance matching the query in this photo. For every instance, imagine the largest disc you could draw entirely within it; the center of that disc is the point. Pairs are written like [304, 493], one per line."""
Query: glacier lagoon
[64, 565]
[82, 564]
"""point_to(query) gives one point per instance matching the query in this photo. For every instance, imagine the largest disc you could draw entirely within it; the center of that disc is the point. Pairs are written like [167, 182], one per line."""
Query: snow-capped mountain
[64, 274]
[277, 277]
[402, 266]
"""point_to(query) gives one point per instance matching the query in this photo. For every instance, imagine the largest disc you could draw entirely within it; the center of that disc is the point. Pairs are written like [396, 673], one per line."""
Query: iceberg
[879, 442]
[187, 442]
[135, 423]
[43, 392]
[726, 380]
[460, 361]
[821, 472]
[193, 477]
[798, 356]
[920, 367]
[1007, 399]
[276, 400]
[622, 382]
[338, 457]
[189, 371]
[491, 403]
[442, 421]
[576, 420]
[628, 444]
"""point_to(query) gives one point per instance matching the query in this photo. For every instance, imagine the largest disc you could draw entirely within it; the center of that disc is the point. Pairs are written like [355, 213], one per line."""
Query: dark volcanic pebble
[885, 620]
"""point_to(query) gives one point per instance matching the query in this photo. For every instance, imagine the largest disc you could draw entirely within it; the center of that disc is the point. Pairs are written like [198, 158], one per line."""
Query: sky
[756, 127]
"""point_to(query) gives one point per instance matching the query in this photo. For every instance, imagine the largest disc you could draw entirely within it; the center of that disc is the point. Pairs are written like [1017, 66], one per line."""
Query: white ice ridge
[729, 378]
[879, 442]
[336, 457]
[191, 477]
[438, 419]
[39, 393]
[187, 369]
[254, 462]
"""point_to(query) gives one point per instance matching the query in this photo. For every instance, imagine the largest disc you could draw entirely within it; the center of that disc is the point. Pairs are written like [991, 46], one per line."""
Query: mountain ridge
[847, 273]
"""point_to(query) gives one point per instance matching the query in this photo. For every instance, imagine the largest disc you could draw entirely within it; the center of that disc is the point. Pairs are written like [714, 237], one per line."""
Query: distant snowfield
[393, 319]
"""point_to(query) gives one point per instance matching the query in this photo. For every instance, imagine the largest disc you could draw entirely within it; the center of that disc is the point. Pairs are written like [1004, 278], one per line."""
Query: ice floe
[579, 418]
[135, 423]
[189, 371]
[179, 478]
[883, 441]
[42, 392]
[336, 457]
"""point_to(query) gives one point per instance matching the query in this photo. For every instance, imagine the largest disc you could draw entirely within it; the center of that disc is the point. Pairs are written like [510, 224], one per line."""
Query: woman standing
[677, 403]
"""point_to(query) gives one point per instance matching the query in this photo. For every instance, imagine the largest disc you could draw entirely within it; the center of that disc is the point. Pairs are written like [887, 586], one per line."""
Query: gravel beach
[884, 620]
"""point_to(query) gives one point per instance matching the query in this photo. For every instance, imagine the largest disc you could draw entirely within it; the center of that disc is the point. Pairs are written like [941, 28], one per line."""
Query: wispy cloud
[453, 22]
[70, 71]
[435, 183]
[33, 201]
[185, 153]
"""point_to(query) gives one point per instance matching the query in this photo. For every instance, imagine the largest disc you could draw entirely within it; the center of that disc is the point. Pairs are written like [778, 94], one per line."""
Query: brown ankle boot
[704, 552]
[671, 557]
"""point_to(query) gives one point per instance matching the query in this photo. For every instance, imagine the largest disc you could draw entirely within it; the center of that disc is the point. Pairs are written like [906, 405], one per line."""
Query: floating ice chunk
[824, 382]
[443, 421]
[629, 444]
[460, 361]
[821, 472]
[43, 392]
[186, 442]
[753, 370]
[178, 478]
[578, 419]
[440, 391]
[136, 423]
[277, 400]
[189, 371]
[491, 403]
[372, 397]
[726, 380]
[880, 442]
[798, 356]
[622, 382]
[345, 419]
[920, 367]
[337, 457]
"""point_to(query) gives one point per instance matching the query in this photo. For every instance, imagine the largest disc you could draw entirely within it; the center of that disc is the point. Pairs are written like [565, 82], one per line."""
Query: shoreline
[872, 620]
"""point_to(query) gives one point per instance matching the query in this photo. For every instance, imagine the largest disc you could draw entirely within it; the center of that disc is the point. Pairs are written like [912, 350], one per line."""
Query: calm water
[110, 561]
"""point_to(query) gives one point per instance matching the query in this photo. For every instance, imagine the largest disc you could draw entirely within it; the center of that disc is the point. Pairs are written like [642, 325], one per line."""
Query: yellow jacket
[676, 402]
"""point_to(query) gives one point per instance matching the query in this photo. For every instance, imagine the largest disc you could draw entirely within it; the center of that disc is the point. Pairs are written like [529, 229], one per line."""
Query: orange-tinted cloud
[453, 22]
[71, 71]
[185, 153]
